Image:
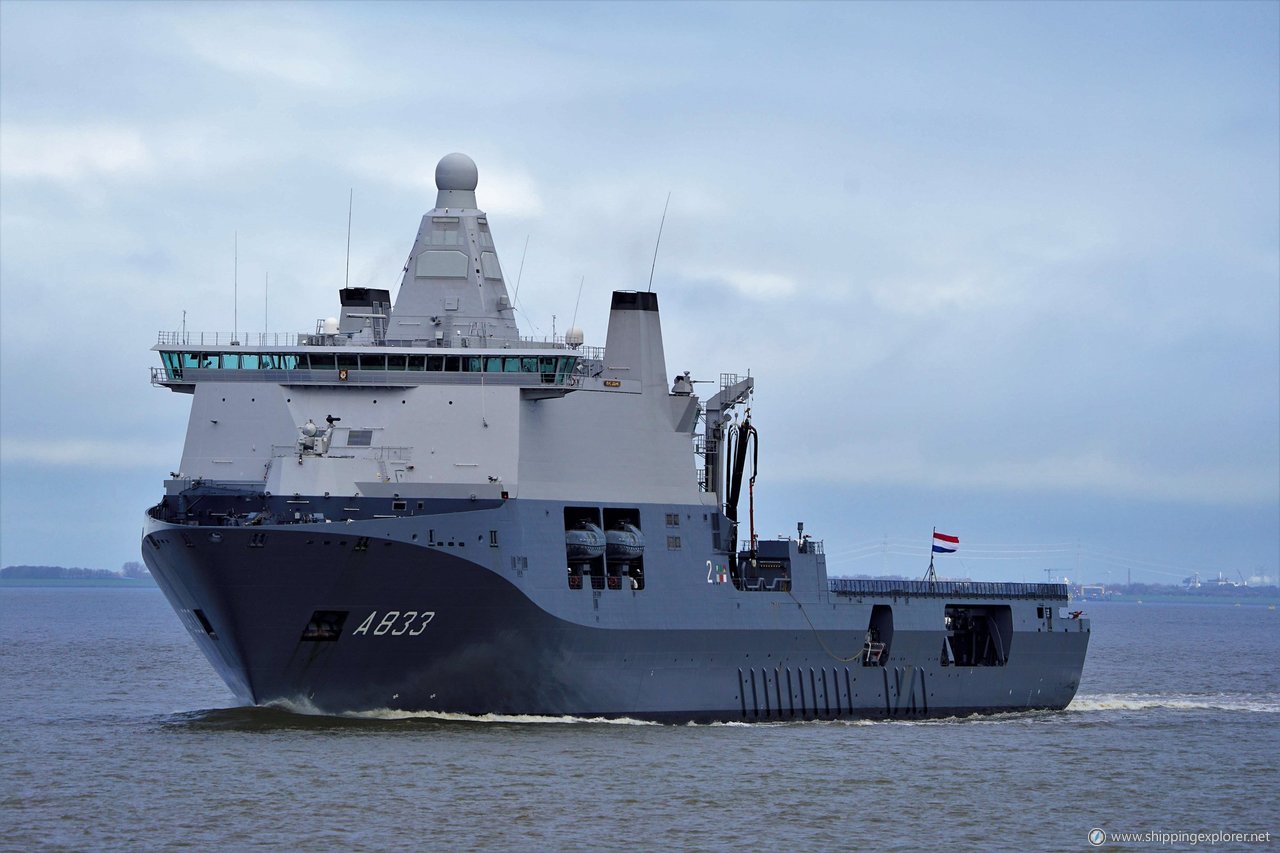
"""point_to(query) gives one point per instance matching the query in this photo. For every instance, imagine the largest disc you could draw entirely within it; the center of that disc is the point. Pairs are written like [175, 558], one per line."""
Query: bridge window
[277, 361]
[551, 369]
[172, 364]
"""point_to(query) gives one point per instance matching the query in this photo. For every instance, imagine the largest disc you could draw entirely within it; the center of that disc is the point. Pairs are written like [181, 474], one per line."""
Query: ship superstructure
[414, 507]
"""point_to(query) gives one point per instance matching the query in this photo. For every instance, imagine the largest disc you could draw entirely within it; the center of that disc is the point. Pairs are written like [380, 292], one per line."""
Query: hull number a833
[395, 623]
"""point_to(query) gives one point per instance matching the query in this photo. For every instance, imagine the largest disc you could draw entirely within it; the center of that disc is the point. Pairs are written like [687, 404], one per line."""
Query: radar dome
[456, 172]
[573, 337]
[330, 326]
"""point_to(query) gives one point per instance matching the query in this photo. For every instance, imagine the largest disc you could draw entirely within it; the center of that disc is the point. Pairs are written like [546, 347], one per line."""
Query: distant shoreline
[113, 583]
[1157, 598]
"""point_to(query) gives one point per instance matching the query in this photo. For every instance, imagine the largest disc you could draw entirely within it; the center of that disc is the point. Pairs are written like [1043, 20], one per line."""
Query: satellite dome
[456, 172]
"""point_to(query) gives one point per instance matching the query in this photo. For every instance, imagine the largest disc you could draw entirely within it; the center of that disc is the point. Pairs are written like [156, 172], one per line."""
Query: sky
[1010, 270]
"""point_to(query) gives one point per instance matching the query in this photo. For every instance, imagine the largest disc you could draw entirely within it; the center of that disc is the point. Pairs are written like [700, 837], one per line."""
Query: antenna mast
[520, 275]
[658, 242]
[574, 324]
[346, 280]
[235, 288]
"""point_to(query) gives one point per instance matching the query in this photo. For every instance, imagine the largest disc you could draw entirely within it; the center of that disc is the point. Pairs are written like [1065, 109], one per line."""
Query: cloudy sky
[1010, 270]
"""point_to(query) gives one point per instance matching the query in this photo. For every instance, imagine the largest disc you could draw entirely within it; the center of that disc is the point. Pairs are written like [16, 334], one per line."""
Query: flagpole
[931, 575]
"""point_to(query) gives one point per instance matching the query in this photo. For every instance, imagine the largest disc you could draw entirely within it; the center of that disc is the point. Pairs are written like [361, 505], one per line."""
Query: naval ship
[416, 508]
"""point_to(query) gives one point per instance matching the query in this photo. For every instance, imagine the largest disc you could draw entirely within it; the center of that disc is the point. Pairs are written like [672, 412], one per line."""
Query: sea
[117, 735]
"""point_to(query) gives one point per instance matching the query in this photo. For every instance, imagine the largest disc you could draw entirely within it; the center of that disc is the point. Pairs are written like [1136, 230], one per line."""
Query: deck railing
[949, 589]
[249, 341]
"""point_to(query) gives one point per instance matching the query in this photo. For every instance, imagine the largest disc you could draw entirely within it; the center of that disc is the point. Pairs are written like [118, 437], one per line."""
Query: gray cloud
[1028, 253]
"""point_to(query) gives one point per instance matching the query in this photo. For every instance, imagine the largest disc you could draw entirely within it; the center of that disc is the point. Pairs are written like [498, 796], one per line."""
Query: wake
[1264, 703]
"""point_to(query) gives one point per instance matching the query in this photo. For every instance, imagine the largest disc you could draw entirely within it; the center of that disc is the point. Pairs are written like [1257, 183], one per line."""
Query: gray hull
[436, 629]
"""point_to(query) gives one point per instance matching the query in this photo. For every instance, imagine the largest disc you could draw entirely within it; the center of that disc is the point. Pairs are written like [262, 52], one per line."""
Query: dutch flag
[944, 544]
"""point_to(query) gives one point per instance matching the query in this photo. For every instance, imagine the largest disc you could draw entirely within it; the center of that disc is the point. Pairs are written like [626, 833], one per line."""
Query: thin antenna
[235, 289]
[574, 324]
[266, 292]
[659, 242]
[520, 274]
[350, 198]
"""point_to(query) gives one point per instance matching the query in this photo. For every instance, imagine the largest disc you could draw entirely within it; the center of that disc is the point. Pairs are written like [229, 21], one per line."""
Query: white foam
[1266, 703]
[393, 714]
[305, 707]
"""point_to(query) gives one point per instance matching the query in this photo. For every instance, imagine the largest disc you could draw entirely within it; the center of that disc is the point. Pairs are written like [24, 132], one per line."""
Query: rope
[821, 642]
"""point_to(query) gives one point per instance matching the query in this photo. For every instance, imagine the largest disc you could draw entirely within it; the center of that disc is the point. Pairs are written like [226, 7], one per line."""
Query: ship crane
[734, 390]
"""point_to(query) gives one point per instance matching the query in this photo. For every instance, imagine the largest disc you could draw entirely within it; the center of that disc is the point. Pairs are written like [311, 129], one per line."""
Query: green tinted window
[285, 361]
[373, 362]
[396, 362]
[417, 362]
[323, 361]
[435, 363]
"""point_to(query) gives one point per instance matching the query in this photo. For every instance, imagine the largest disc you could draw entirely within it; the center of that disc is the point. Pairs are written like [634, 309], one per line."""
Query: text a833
[395, 623]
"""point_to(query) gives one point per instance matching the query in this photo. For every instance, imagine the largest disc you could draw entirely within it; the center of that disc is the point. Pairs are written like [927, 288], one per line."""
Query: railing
[377, 453]
[809, 546]
[226, 339]
[950, 589]
[161, 377]
[259, 340]
[387, 379]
